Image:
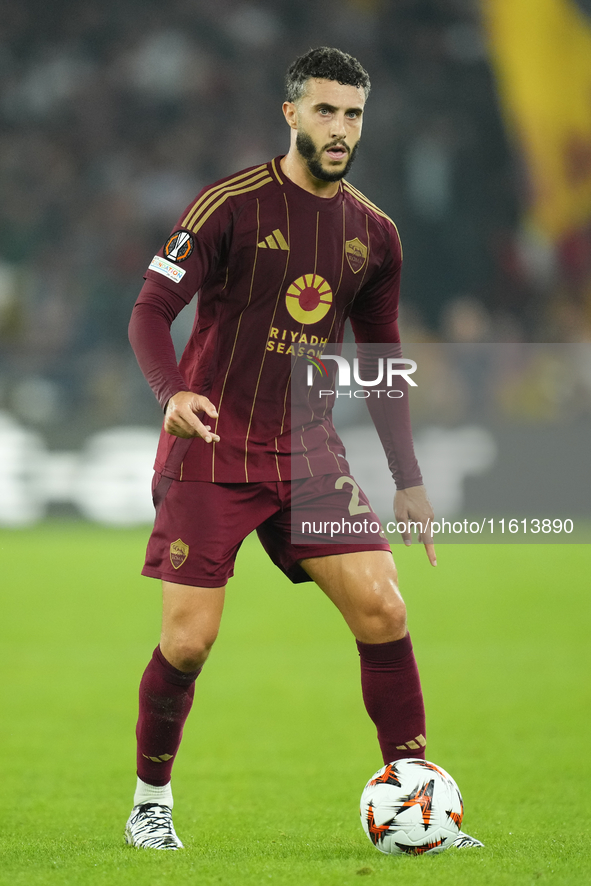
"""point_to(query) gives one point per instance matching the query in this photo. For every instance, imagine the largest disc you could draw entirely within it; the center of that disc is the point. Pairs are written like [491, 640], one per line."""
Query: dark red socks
[166, 696]
[391, 692]
[393, 698]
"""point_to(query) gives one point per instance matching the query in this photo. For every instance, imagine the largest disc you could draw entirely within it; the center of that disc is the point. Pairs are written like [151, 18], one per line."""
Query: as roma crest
[356, 254]
[179, 552]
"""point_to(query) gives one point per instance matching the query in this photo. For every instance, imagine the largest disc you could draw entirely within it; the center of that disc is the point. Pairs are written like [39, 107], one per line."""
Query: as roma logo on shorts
[356, 254]
[179, 247]
[179, 552]
[309, 298]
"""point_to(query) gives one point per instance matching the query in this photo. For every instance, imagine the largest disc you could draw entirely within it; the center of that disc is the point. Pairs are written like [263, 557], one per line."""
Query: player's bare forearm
[412, 505]
[180, 418]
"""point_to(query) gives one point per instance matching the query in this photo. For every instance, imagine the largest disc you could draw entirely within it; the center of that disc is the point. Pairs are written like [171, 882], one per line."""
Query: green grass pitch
[278, 746]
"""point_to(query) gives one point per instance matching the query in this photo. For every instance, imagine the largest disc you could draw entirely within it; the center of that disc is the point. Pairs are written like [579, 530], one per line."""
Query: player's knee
[187, 653]
[384, 615]
[392, 611]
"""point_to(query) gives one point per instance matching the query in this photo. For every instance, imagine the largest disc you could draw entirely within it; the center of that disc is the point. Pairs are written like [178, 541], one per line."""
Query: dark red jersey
[278, 271]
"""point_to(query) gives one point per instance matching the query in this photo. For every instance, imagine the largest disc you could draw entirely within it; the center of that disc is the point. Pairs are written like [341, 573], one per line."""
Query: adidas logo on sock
[276, 240]
[418, 742]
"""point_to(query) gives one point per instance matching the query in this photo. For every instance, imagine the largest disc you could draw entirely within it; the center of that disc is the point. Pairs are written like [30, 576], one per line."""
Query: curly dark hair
[329, 64]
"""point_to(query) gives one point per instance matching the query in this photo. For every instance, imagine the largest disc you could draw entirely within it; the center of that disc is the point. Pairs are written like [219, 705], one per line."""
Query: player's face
[328, 122]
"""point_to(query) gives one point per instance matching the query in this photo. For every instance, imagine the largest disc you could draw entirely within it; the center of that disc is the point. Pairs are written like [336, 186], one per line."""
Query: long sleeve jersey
[278, 271]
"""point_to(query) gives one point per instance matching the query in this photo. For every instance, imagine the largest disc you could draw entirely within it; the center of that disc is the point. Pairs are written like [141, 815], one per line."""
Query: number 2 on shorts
[354, 506]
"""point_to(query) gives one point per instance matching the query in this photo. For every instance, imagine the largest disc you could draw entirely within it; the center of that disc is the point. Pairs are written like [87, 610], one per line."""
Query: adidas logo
[276, 240]
[413, 744]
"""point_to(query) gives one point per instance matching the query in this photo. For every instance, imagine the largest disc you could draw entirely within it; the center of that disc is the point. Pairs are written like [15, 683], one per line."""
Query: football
[411, 807]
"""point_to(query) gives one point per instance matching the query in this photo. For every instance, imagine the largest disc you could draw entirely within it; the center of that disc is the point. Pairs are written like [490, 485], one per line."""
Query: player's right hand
[180, 418]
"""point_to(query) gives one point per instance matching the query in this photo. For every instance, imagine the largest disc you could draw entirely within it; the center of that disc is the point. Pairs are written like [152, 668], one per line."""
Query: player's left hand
[413, 505]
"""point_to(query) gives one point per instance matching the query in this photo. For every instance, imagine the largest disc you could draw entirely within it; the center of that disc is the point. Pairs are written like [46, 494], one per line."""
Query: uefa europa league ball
[411, 807]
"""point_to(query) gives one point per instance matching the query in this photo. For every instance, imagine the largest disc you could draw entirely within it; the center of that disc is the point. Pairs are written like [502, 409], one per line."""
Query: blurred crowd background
[113, 115]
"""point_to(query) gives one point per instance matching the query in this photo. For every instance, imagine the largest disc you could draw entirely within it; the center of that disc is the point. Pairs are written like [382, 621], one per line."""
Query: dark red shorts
[200, 526]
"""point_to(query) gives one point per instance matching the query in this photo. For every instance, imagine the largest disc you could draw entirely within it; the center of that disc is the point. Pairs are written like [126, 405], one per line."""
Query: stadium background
[112, 115]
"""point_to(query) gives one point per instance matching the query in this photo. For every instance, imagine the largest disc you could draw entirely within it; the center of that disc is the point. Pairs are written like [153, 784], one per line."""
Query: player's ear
[290, 113]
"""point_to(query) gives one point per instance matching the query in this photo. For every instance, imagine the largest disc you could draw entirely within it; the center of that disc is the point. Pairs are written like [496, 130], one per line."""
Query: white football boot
[463, 841]
[150, 827]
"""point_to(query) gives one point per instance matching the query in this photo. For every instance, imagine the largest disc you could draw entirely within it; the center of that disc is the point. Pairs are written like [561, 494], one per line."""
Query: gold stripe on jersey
[265, 352]
[285, 395]
[366, 266]
[301, 330]
[336, 291]
[316, 248]
[343, 252]
[232, 192]
[232, 186]
[216, 192]
[312, 415]
[198, 225]
[334, 455]
[334, 316]
[216, 189]
[254, 264]
[367, 258]
[369, 250]
[311, 472]
[344, 235]
[331, 327]
[364, 201]
[279, 179]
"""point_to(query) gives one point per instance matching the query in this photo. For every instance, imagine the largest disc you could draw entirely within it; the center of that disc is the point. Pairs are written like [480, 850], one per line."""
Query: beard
[307, 149]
